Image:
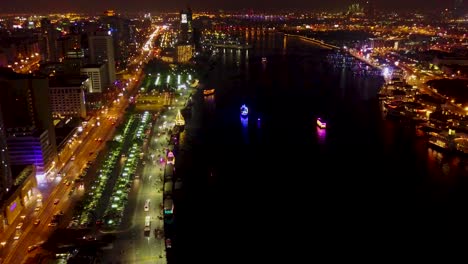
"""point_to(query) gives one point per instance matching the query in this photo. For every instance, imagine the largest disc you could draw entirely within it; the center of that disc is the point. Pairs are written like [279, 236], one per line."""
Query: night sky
[38, 6]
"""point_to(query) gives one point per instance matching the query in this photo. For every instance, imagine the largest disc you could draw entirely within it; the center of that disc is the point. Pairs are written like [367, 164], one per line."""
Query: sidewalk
[131, 245]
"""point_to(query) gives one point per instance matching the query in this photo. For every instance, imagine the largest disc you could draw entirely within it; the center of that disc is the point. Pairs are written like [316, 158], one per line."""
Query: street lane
[15, 251]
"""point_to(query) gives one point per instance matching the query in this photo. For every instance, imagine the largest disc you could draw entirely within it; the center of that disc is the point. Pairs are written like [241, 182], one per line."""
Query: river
[276, 187]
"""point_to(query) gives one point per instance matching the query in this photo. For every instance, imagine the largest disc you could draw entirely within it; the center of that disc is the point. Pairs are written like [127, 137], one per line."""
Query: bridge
[229, 45]
[314, 41]
[333, 47]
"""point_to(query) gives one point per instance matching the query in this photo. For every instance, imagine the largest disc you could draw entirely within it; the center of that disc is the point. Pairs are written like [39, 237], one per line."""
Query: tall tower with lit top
[186, 29]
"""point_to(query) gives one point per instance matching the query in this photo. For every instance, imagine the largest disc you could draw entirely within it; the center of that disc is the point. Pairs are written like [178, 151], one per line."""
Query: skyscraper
[101, 51]
[186, 29]
[48, 40]
[119, 29]
[5, 170]
[30, 132]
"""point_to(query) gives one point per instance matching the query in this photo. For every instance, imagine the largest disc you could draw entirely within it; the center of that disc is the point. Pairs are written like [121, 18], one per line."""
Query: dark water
[278, 189]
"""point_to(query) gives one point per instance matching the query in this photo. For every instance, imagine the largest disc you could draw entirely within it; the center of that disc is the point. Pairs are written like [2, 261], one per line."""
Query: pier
[353, 53]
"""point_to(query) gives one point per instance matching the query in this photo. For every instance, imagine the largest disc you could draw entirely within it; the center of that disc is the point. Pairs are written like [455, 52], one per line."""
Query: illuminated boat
[321, 123]
[179, 120]
[244, 110]
[170, 158]
[208, 91]
[264, 59]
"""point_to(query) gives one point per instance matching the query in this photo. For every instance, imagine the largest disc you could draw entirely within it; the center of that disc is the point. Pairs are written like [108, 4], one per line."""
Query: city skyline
[28, 6]
[172, 131]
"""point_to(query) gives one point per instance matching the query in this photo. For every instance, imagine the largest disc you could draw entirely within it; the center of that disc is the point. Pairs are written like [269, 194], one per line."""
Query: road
[131, 245]
[27, 66]
[419, 80]
[15, 251]
[313, 41]
[56, 189]
[414, 78]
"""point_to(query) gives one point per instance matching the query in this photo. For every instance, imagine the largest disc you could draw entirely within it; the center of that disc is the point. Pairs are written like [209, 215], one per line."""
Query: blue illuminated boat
[244, 110]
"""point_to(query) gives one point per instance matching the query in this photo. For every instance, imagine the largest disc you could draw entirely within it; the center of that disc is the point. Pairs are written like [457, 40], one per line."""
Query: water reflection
[210, 103]
[244, 122]
[330, 85]
[245, 129]
[321, 135]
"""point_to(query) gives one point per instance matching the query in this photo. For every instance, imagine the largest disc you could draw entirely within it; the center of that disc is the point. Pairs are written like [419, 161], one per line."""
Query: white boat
[244, 110]
[264, 59]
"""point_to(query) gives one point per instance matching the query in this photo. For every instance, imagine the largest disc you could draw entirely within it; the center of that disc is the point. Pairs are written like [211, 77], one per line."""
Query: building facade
[184, 53]
[5, 167]
[31, 127]
[48, 43]
[22, 192]
[186, 28]
[121, 34]
[32, 148]
[98, 76]
[73, 61]
[67, 95]
[101, 51]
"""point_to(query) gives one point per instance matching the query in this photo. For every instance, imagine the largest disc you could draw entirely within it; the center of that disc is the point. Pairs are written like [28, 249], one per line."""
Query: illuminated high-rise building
[29, 128]
[73, 61]
[186, 28]
[5, 170]
[101, 51]
[119, 28]
[48, 42]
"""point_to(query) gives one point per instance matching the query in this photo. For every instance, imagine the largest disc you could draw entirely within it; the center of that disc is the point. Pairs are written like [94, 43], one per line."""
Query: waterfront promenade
[131, 244]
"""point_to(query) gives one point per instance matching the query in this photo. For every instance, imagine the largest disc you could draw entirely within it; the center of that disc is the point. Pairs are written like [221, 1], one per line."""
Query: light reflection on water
[210, 103]
[321, 135]
[398, 168]
[245, 129]
[244, 122]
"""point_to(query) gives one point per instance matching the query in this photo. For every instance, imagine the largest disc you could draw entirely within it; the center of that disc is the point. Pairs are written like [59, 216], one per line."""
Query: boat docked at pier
[445, 140]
